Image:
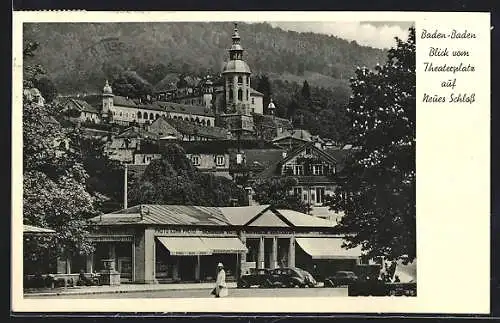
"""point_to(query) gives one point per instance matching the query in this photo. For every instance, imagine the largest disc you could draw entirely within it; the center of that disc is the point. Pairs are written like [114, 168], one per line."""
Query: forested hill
[78, 57]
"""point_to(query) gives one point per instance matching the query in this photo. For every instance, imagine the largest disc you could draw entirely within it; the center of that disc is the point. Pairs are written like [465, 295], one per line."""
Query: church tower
[107, 100]
[236, 74]
[237, 78]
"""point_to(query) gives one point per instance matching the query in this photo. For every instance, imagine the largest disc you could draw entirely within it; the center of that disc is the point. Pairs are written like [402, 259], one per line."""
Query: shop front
[196, 258]
[171, 243]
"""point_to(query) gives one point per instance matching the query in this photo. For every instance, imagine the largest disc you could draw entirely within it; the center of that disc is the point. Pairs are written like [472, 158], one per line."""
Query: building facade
[171, 243]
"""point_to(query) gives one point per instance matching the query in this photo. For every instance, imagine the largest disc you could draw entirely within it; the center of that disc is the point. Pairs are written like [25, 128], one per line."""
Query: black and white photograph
[219, 159]
[251, 162]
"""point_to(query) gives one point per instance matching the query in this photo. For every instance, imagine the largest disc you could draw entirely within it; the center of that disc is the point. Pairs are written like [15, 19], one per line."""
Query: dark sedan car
[341, 278]
[256, 277]
[290, 277]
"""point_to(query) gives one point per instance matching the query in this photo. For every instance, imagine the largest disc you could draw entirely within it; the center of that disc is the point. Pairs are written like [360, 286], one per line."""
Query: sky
[379, 34]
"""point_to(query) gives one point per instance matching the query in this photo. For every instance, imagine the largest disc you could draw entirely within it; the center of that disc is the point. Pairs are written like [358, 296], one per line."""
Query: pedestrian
[220, 289]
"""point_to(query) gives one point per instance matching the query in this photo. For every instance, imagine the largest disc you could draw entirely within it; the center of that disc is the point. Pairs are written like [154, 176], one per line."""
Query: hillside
[79, 57]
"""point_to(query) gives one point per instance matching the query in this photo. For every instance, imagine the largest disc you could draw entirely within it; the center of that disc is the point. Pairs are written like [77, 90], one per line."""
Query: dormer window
[298, 170]
[317, 169]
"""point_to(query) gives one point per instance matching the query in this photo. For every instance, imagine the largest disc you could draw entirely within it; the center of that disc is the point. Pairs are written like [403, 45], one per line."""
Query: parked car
[341, 278]
[256, 277]
[311, 281]
[381, 288]
[289, 277]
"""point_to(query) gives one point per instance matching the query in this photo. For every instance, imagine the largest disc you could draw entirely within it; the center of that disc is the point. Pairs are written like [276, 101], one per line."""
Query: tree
[378, 195]
[278, 193]
[130, 84]
[306, 92]
[264, 87]
[174, 180]
[46, 87]
[54, 192]
[105, 176]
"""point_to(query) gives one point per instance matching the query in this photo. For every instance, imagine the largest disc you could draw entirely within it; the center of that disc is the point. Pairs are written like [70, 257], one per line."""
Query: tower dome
[236, 64]
[107, 88]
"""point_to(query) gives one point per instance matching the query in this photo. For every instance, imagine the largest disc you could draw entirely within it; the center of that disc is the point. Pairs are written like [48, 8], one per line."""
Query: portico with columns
[173, 243]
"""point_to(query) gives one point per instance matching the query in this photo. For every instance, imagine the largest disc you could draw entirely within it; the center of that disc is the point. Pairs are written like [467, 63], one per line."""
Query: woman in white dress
[220, 289]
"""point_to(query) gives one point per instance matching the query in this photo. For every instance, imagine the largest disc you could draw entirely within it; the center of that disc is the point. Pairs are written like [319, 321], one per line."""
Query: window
[120, 114]
[195, 160]
[151, 116]
[208, 123]
[157, 116]
[317, 169]
[298, 170]
[247, 95]
[240, 80]
[297, 191]
[240, 95]
[139, 115]
[248, 79]
[253, 100]
[308, 151]
[305, 196]
[219, 160]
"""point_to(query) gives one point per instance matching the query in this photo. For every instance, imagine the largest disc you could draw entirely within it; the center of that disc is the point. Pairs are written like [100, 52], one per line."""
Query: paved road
[198, 293]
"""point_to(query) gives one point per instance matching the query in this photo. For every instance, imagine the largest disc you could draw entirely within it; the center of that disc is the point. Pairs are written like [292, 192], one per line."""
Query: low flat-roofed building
[171, 243]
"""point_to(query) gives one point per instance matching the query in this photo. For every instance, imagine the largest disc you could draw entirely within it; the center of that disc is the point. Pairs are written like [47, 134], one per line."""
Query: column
[237, 274]
[145, 258]
[175, 269]
[149, 257]
[274, 254]
[243, 238]
[112, 254]
[133, 260]
[90, 263]
[291, 252]
[197, 268]
[68, 265]
[260, 262]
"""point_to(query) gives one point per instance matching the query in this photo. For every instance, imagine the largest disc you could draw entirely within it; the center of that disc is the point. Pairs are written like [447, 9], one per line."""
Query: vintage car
[256, 277]
[381, 288]
[290, 277]
[341, 278]
[311, 281]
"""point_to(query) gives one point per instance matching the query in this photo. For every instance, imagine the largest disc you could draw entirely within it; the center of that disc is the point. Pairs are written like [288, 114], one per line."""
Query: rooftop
[190, 215]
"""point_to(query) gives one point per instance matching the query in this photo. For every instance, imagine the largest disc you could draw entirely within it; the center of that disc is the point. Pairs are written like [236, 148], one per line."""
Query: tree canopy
[378, 195]
[130, 84]
[54, 190]
[278, 193]
[174, 180]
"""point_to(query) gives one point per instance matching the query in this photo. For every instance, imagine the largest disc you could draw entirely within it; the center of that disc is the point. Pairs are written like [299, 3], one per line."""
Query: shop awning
[327, 248]
[225, 245]
[185, 246]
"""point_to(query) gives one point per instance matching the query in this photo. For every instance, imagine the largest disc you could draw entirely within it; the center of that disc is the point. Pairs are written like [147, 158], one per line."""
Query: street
[200, 293]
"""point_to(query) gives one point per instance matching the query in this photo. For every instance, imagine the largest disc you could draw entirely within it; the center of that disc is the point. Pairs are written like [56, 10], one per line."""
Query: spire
[236, 51]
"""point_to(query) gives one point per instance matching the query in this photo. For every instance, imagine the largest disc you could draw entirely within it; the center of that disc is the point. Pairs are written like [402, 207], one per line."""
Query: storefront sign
[187, 232]
[105, 238]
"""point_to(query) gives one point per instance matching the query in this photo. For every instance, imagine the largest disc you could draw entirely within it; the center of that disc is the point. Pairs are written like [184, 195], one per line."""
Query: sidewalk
[124, 288]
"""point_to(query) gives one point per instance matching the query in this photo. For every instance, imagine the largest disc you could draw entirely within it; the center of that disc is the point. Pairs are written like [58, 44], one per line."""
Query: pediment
[268, 219]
